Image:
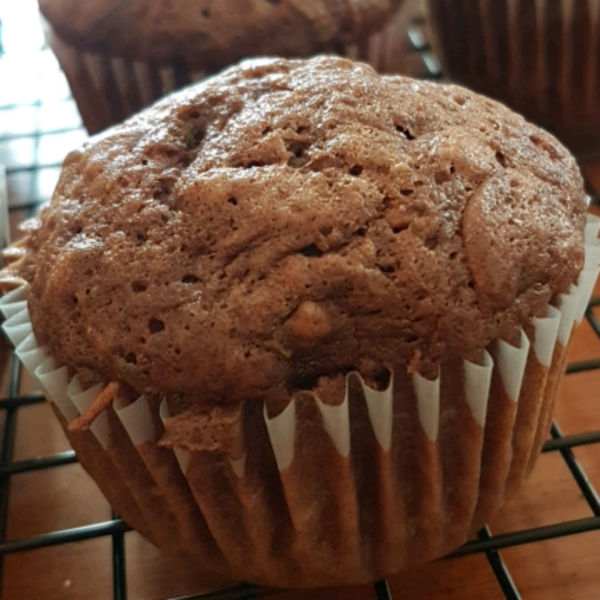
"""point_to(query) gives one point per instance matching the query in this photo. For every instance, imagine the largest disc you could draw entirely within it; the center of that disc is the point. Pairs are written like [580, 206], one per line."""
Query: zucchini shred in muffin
[284, 302]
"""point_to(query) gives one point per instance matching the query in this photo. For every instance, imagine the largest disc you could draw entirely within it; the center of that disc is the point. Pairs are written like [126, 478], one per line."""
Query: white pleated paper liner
[108, 89]
[322, 494]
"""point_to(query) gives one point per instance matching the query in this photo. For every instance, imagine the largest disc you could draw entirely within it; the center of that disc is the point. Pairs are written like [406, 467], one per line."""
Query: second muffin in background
[540, 57]
[121, 56]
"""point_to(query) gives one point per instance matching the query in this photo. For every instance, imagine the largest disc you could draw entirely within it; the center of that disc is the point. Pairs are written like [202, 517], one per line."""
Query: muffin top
[214, 33]
[287, 222]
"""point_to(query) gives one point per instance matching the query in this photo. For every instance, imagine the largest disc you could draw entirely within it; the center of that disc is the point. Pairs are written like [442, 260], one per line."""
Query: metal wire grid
[115, 528]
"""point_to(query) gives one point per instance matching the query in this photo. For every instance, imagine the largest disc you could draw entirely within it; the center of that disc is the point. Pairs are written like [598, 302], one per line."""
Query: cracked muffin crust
[287, 222]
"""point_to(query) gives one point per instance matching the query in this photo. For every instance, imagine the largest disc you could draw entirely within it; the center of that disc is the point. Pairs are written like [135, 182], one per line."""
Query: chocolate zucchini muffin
[121, 56]
[297, 290]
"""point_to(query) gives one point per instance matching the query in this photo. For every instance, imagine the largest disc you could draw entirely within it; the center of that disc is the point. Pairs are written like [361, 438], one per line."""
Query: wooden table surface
[65, 497]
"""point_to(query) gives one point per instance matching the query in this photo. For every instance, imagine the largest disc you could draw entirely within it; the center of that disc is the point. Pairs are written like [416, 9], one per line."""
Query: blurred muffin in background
[121, 56]
[538, 56]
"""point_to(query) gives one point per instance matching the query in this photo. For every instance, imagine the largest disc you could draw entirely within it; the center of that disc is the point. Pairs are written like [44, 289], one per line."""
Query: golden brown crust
[214, 33]
[290, 221]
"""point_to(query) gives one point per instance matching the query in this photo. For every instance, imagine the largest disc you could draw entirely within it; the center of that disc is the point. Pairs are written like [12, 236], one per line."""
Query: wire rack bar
[240, 592]
[529, 536]
[118, 564]
[583, 366]
[37, 134]
[382, 590]
[32, 168]
[14, 401]
[39, 464]
[572, 441]
[8, 445]
[588, 491]
[65, 536]
[119, 572]
[26, 206]
[500, 571]
[593, 321]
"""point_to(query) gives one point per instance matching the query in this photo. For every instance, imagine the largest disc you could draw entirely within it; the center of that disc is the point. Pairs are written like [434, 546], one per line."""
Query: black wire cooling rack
[26, 184]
